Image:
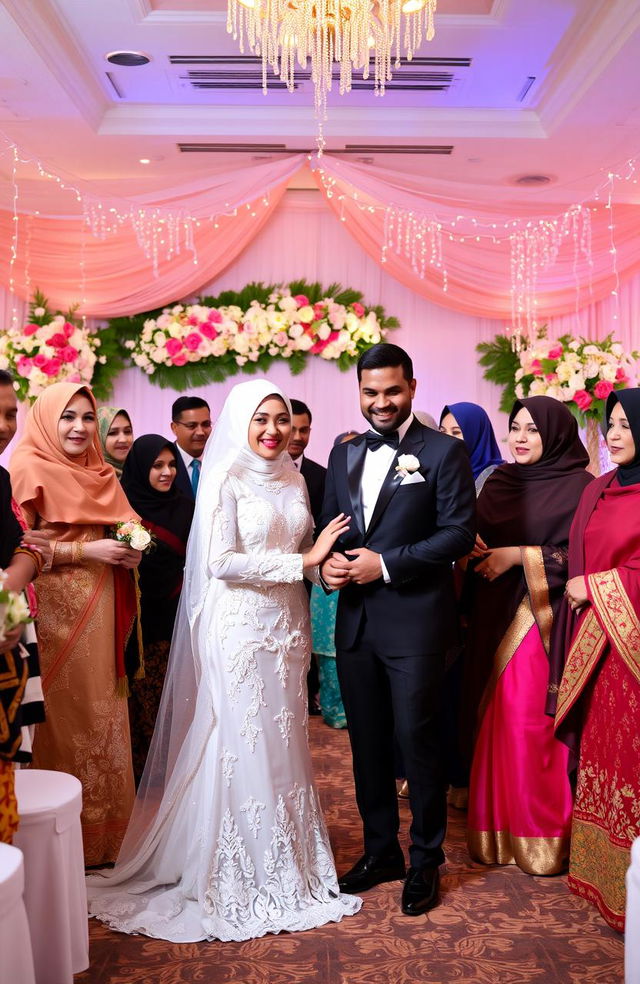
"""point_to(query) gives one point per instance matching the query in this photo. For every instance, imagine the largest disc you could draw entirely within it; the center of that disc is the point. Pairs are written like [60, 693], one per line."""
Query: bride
[227, 839]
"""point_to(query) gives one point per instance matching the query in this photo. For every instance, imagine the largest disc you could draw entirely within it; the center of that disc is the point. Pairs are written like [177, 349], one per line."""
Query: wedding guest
[598, 701]
[426, 418]
[116, 436]
[148, 480]
[87, 607]
[519, 796]
[191, 424]
[21, 702]
[470, 423]
[323, 630]
[313, 473]
[227, 840]
[397, 616]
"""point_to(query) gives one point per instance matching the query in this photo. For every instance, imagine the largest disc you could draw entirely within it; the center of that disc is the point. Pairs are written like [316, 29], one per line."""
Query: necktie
[375, 440]
[196, 464]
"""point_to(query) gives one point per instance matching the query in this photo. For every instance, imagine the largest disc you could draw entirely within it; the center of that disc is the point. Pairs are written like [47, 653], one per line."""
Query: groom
[396, 615]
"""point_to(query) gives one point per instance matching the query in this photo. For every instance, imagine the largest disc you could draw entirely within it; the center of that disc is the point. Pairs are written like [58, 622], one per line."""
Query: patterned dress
[239, 846]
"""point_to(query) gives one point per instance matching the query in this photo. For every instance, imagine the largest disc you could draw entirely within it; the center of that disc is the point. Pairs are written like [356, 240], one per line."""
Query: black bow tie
[375, 440]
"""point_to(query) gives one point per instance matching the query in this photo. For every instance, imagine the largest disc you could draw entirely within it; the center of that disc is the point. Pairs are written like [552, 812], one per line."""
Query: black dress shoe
[421, 891]
[370, 870]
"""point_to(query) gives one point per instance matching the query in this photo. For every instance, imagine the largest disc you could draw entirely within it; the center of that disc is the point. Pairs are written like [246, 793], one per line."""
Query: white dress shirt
[376, 465]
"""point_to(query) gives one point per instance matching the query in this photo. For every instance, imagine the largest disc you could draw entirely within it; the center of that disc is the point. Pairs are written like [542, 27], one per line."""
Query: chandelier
[347, 33]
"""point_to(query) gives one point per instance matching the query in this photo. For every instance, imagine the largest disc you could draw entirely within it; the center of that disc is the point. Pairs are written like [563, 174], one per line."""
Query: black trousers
[386, 694]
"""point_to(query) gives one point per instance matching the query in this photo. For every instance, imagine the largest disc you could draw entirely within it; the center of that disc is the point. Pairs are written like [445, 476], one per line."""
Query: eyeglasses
[193, 424]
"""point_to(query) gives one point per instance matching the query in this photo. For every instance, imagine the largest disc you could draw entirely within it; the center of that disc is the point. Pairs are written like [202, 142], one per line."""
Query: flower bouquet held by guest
[227, 839]
[148, 479]
[597, 704]
[519, 794]
[87, 607]
[116, 436]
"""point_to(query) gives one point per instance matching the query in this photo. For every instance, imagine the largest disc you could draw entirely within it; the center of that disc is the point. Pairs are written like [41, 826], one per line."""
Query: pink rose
[24, 365]
[550, 377]
[40, 360]
[30, 329]
[621, 376]
[57, 341]
[215, 316]
[69, 353]
[602, 389]
[179, 359]
[173, 346]
[358, 309]
[555, 352]
[208, 330]
[301, 300]
[319, 310]
[319, 346]
[193, 319]
[583, 399]
[68, 329]
[192, 341]
[536, 367]
[52, 367]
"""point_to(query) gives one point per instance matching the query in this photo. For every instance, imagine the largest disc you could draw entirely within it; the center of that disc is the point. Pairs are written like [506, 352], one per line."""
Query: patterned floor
[494, 926]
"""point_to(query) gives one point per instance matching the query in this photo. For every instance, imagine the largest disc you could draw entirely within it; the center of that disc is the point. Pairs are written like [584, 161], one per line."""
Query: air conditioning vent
[444, 149]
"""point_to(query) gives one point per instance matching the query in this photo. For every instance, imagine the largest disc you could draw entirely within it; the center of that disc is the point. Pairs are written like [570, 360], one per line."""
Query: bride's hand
[326, 540]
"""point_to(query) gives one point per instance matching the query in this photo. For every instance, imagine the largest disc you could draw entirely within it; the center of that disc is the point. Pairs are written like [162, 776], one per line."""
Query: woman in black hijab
[519, 797]
[596, 699]
[148, 479]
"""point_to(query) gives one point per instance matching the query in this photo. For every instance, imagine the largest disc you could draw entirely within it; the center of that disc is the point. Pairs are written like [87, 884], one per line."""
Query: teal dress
[323, 622]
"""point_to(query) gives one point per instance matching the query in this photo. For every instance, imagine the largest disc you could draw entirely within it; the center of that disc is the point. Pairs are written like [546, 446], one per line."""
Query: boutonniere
[407, 463]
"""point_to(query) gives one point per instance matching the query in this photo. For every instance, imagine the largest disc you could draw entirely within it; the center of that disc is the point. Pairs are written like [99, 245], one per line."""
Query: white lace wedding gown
[239, 847]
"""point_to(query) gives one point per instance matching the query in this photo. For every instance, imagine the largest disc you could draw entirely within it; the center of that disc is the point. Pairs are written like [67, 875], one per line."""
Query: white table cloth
[16, 959]
[632, 923]
[50, 837]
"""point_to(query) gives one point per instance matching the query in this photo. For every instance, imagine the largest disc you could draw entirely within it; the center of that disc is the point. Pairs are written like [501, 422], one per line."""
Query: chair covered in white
[16, 958]
[632, 922]
[50, 837]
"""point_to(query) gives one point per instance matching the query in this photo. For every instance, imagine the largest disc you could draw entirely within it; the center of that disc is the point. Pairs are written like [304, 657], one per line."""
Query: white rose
[159, 338]
[608, 372]
[296, 331]
[306, 313]
[241, 344]
[324, 331]
[538, 388]
[591, 350]
[39, 312]
[407, 463]
[616, 349]
[140, 540]
[4, 362]
[304, 343]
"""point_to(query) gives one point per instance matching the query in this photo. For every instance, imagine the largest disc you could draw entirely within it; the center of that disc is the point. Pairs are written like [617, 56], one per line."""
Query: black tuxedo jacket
[420, 529]
[183, 479]
[315, 476]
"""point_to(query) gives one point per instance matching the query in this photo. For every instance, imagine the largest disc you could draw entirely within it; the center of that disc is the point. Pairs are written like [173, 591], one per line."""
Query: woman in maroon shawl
[519, 796]
[598, 699]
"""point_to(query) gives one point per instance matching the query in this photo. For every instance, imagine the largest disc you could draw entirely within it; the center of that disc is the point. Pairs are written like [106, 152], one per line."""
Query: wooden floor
[494, 926]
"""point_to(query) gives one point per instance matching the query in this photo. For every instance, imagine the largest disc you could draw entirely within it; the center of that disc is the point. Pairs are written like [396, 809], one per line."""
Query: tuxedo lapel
[356, 453]
[412, 443]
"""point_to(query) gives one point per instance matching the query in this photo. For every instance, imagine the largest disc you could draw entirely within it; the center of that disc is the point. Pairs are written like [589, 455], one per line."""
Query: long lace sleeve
[228, 563]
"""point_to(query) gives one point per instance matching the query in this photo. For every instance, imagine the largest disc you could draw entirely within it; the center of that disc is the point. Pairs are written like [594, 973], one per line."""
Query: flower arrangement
[53, 348]
[187, 345]
[14, 610]
[134, 534]
[579, 372]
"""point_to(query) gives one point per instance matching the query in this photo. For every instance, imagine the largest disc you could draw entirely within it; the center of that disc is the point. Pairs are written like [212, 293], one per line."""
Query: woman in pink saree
[519, 797]
[598, 698]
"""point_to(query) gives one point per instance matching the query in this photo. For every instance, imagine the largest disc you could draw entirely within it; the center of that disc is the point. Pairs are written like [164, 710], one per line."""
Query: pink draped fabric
[113, 276]
[519, 786]
[478, 273]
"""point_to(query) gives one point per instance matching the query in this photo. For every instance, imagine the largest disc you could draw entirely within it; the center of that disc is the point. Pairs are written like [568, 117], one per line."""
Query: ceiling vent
[532, 180]
[128, 59]
[444, 149]
[280, 148]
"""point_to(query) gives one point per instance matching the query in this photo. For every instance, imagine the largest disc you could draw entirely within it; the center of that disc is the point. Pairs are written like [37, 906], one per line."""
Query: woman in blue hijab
[470, 423]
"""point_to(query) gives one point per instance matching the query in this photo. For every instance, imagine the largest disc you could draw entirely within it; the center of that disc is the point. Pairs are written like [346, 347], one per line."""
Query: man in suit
[313, 473]
[191, 424]
[397, 616]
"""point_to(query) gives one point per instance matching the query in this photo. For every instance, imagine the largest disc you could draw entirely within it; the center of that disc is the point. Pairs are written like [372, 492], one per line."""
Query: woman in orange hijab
[86, 598]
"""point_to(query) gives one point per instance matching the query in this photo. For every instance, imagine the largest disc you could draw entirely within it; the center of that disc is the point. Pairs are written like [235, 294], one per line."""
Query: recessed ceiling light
[532, 180]
[145, 160]
[128, 59]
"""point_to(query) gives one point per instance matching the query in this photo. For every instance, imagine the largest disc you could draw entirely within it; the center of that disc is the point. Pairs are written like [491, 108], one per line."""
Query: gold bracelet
[77, 551]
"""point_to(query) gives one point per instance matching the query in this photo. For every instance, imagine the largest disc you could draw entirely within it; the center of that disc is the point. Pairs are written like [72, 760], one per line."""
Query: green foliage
[500, 363]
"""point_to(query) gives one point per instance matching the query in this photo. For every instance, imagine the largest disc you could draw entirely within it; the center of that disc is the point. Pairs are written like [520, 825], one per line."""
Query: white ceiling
[61, 102]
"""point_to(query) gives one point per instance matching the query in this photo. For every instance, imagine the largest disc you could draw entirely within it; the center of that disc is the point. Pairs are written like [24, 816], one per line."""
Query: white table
[16, 959]
[632, 925]
[50, 837]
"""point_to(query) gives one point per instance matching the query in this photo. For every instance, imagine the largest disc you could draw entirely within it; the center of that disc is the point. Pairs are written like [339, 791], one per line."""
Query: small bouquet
[14, 610]
[134, 534]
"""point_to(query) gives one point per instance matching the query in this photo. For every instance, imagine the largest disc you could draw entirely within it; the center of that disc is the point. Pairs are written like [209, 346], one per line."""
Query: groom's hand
[366, 565]
[335, 571]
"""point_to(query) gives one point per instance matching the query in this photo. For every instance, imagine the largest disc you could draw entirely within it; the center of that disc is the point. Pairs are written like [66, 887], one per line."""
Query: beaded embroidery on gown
[239, 847]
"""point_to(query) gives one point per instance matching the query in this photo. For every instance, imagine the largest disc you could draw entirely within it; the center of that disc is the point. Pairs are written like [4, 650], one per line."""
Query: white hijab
[185, 716]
